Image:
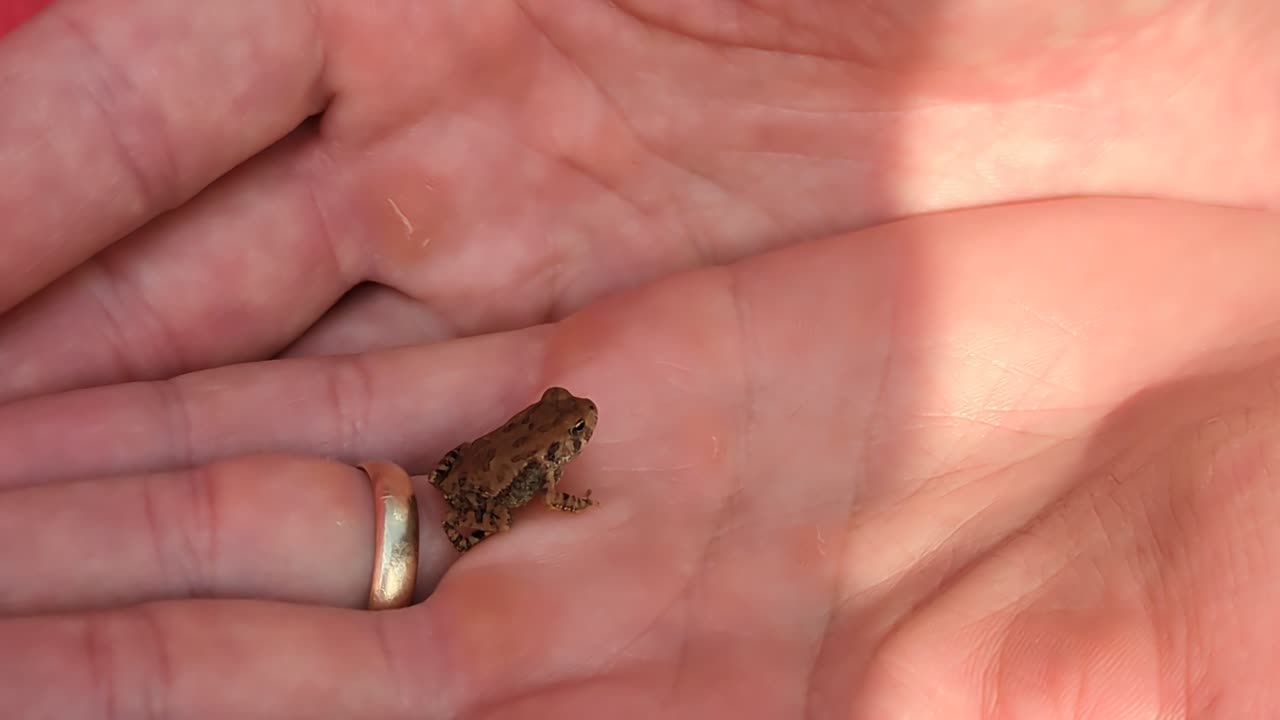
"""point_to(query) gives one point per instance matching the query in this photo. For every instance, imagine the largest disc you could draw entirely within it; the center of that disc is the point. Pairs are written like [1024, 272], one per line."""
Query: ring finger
[268, 527]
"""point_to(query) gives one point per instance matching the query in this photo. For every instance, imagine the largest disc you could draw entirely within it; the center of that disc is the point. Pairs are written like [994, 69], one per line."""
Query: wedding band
[395, 541]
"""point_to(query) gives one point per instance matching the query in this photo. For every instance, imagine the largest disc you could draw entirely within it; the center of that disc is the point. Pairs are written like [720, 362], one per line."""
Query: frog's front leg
[563, 501]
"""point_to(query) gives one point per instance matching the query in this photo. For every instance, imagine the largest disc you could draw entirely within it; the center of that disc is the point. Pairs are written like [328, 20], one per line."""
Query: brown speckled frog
[485, 479]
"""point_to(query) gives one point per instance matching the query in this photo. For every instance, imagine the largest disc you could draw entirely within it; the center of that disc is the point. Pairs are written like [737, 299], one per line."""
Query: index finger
[114, 114]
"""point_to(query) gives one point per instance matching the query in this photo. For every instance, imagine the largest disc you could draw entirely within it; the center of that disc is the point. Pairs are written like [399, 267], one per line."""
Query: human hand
[953, 471]
[487, 168]
[697, 517]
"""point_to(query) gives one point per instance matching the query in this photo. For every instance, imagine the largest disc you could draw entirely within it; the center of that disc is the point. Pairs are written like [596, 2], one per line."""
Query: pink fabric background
[14, 12]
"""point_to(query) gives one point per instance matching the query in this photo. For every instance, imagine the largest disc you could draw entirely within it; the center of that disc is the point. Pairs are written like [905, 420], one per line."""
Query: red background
[14, 12]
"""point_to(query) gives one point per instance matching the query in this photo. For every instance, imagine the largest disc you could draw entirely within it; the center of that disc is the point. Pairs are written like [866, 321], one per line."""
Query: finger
[227, 659]
[409, 404]
[405, 405]
[271, 528]
[234, 275]
[113, 117]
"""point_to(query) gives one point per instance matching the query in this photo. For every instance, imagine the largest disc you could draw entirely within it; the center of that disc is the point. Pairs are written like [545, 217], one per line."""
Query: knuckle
[181, 514]
[125, 653]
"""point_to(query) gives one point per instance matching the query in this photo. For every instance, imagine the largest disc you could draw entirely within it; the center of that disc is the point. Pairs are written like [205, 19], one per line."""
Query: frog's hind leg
[466, 530]
[563, 501]
[461, 541]
[490, 520]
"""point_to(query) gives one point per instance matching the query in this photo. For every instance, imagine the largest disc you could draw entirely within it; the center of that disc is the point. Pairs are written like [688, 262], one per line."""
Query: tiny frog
[485, 479]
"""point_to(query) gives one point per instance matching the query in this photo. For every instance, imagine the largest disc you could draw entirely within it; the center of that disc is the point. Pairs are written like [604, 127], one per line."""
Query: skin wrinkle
[968, 420]
[323, 90]
[1014, 369]
[554, 271]
[937, 587]
[700, 249]
[171, 396]
[743, 322]
[828, 617]
[1145, 537]
[157, 540]
[1055, 441]
[1171, 644]
[101, 285]
[750, 401]
[651, 20]
[147, 186]
[837, 580]
[390, 667]
[567, 677]
[1194, 655]
[706, 251]
[1148, 587]
[680, 658]
[181, 555]
[437, 319]
[682, 593]
[160, 682]
[1200, 629]
[548, 301]
[942, 587]
[689, 592]
[349, 383]
[556, 306]
[1183, 510]
[151, 678]
[199, 533]
[349, 261]
[719, 519]
[96, 651]
[166, 341]
[428, 324]
[582, 169]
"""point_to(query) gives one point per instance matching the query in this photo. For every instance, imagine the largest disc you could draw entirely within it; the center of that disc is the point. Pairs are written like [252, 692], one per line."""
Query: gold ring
[395, 540]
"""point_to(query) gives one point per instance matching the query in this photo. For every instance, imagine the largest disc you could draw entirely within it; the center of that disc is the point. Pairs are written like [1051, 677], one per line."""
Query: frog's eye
[578, 428]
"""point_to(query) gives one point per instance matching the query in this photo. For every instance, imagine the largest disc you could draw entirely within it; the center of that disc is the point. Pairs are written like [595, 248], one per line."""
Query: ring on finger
[395, 554]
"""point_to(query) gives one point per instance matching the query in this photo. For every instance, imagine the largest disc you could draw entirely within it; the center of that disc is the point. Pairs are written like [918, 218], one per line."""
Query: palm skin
[980, 464]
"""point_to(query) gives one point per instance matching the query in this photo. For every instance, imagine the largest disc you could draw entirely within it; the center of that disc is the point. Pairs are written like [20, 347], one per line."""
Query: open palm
[924, 468]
